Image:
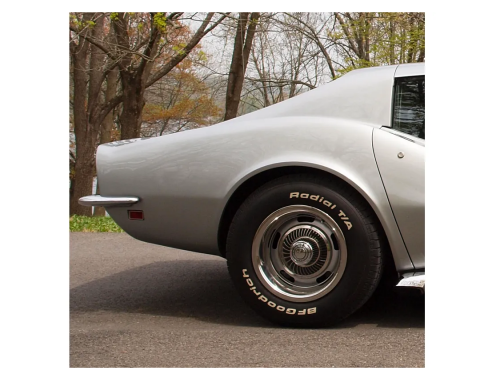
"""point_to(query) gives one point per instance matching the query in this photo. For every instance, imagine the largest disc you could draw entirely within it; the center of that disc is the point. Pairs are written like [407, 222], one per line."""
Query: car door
[400, 154]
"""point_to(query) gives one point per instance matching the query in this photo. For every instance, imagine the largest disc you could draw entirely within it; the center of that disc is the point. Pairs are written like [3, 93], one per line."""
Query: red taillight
[135, 214]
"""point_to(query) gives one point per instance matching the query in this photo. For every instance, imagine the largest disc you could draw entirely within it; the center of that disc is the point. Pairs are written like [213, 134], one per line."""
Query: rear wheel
[305, 251]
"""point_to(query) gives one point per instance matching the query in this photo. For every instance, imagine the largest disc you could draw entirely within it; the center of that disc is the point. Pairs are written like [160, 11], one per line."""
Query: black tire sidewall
[351, 290]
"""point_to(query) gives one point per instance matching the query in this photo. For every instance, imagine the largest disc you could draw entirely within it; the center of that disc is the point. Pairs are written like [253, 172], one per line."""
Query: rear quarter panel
[184, 181]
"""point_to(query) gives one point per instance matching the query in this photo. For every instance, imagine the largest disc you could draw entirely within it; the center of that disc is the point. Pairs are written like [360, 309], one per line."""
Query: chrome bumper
[413, 280]
[98, 200]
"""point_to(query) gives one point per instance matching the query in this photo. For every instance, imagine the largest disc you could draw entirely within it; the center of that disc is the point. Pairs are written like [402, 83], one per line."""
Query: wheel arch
[243, 191]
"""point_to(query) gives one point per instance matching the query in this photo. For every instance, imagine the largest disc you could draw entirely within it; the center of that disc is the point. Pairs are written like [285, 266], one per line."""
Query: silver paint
[184, 181]
[412, 69]
[404, 182]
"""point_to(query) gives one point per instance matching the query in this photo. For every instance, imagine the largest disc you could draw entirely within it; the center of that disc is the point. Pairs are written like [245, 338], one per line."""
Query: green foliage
[202, 57]
[353, 64]
[93, 224]
[81, 24]
[179, 48]
[375, 39]
[114, 16]
[160, 21]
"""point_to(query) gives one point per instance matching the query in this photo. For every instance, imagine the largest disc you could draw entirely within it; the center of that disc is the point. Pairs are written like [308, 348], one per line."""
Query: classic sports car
[306, 199]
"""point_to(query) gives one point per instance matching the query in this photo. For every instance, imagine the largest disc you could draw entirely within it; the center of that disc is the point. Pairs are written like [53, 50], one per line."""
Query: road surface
[134, 304]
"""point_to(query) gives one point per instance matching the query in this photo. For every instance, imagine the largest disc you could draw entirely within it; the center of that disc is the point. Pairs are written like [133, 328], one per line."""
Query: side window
[409, 106]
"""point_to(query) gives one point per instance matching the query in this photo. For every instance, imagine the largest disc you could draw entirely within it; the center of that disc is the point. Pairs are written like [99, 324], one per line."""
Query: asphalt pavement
[134, 304]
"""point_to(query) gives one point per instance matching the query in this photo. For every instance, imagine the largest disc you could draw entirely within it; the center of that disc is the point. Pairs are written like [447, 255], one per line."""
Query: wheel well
[253, 183]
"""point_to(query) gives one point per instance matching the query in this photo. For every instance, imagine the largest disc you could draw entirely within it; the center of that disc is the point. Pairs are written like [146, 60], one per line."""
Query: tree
[312, 26]
[246, 25]
[373, 39]
[285, 61]
[142, 52]
[108, 124]
[139, 71]
[181, 101]
[88, 113]
[117, 59]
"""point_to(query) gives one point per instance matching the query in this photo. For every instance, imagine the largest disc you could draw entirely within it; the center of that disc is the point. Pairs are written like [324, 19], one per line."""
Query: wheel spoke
[307, 257]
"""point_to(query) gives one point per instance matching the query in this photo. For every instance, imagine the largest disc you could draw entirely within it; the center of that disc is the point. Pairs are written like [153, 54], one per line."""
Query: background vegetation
[80, 223]
[149, 74]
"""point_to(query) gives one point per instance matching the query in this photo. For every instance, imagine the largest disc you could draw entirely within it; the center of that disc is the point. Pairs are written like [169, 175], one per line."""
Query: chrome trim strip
[414, 281]
[410, 138]
[98, 200]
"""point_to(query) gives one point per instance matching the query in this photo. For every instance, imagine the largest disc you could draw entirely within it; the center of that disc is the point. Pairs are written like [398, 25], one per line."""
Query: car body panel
[410, 70]
[401, 161]
[363, 95]
[184, 216]
[185, 180]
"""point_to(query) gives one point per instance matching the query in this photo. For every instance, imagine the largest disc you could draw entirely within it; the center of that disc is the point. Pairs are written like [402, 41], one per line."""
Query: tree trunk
[98, 210]
[421, 56]
[107, 125]
[133, 78]
[412, 39]
[131, 116]
[136, 77]
[241, 52]
[81, 172]
[88, 53]
[84, 171]
[392, 41]
[87, 85]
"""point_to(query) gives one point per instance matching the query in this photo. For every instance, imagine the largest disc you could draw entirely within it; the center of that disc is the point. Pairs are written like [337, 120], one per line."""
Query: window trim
[394, 93]
[406, 136]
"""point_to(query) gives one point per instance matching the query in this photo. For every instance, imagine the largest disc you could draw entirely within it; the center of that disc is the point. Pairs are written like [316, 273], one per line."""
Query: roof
[362, 95]
[410, 69]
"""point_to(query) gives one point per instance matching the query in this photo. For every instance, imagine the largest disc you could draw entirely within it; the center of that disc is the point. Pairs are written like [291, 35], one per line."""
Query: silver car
[307, 199]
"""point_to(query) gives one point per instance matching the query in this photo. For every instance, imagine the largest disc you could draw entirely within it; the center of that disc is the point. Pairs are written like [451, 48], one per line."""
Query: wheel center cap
[301, 252]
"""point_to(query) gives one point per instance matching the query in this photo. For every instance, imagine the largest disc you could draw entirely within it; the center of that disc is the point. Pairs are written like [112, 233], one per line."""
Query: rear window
[409, 106]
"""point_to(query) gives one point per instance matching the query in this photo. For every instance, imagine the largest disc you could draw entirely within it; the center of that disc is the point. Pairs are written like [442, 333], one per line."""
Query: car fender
[184, 181]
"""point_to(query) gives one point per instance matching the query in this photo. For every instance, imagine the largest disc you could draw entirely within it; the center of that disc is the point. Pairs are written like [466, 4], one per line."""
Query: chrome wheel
[299, 253]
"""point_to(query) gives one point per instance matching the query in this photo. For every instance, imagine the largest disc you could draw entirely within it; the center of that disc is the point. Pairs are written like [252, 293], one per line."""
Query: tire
[305, 251]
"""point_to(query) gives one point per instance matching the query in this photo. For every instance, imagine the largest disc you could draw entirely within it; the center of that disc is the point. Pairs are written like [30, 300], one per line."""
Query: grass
[93, 224]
